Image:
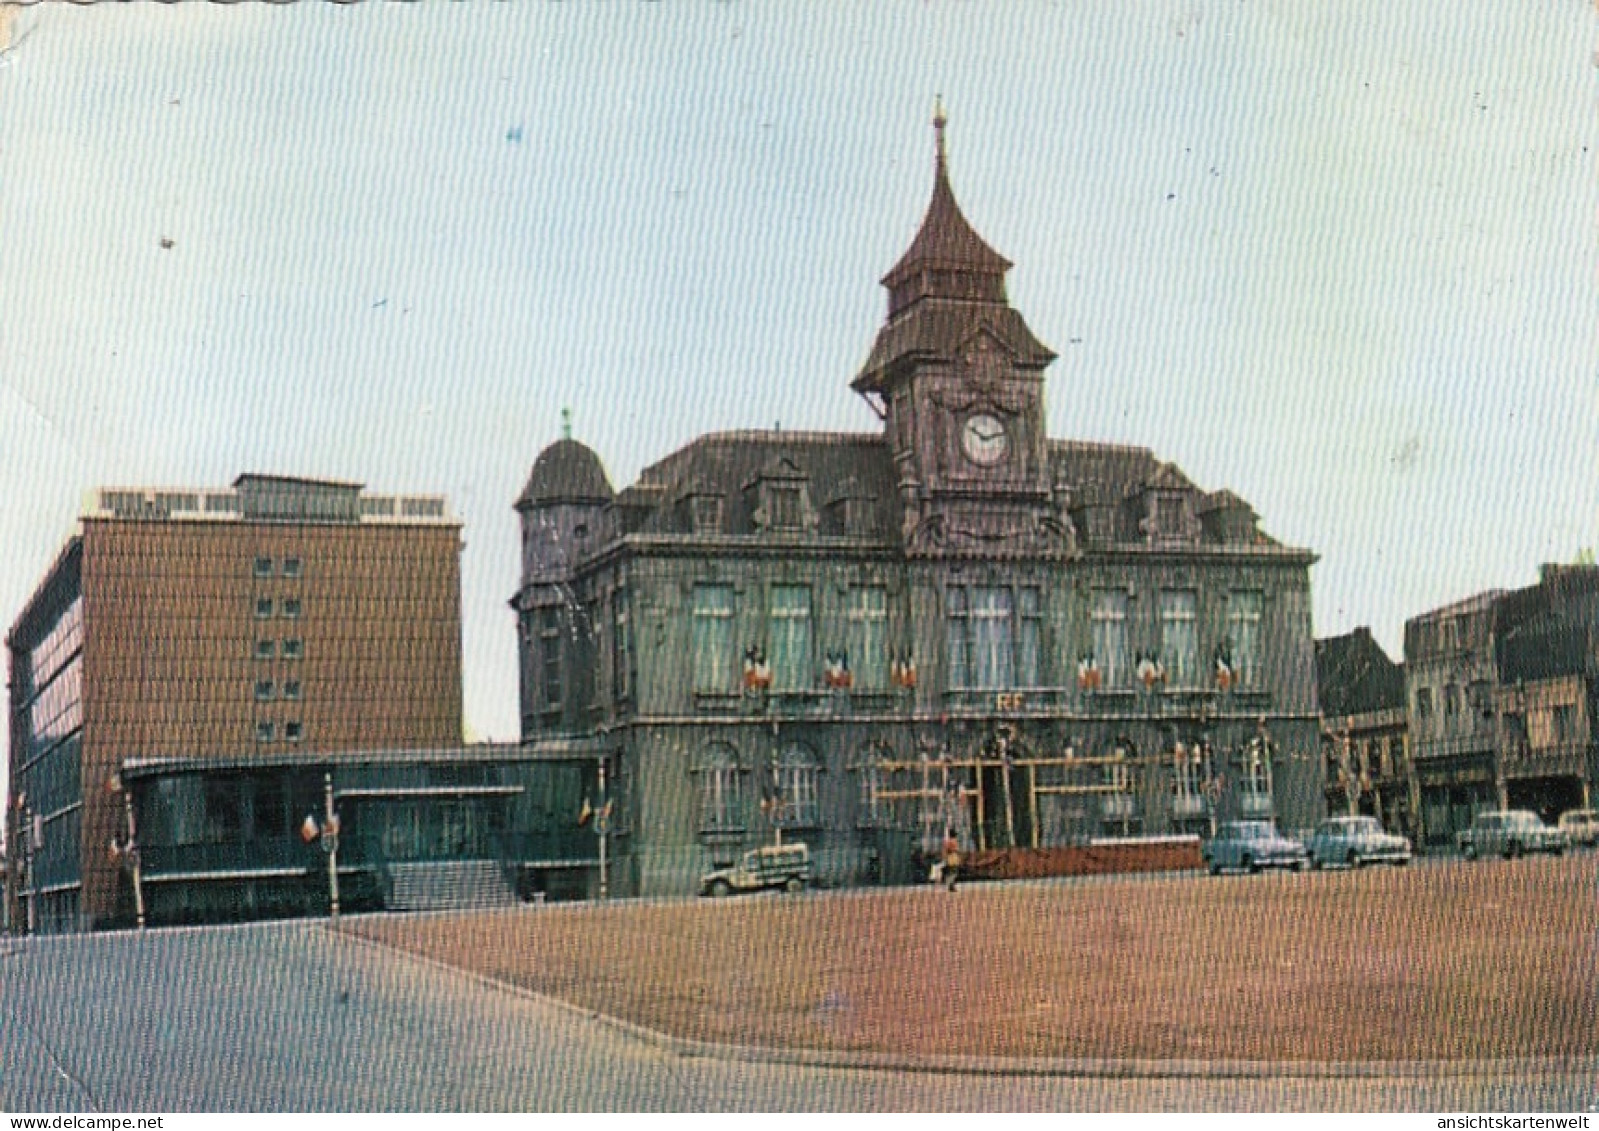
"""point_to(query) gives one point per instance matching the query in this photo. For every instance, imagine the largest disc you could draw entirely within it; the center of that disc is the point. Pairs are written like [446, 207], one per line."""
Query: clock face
[983, 439]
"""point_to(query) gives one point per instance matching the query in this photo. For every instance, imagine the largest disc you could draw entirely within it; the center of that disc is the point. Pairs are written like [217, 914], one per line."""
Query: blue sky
[1337, 257]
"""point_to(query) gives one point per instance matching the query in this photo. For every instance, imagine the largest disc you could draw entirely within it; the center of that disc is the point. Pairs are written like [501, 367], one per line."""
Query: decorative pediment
[779, 467]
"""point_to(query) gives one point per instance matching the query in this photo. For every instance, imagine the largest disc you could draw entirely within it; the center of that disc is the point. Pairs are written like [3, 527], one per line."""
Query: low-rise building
[1547, 652]
[1364, 733]
[1450, 676]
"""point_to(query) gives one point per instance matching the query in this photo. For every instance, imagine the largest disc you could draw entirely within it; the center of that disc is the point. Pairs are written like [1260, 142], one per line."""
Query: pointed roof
[947, 241]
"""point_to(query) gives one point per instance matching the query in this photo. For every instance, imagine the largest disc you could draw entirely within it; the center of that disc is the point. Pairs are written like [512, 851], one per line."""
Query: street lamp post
[330, 844]
[32, 841]
[131, 855]
[602, 825]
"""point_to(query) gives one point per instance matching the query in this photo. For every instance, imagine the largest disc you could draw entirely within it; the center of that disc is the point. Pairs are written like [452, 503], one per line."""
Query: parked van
[786, 866]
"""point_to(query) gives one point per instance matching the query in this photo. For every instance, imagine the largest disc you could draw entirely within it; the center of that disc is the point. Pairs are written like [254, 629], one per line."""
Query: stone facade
[1501, 689]
[863, 640]
[1450, 676]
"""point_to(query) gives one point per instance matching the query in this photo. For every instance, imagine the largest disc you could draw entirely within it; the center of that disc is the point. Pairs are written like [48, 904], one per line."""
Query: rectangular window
[1179, 636]
[991, 638]
[265, 690]
[1244, 637]
[1028, 633]
[707, 514]
[290, 607]
[621, 643]
[264, 732]
[785, 508]
[550, 651]
[1109, 627]
[263, 608]
[789, 637]
[292, 732]
[265, 649]
[1192, 771]
[721, 808]
[1255, 794]
[291, 567]
[263, 567]
[866, 636]
[268, 817]
[1424, 724]
[293, 649]
[958, 629]
[1516, 735]
[291, 689]
[1565, 724]
[713, 638]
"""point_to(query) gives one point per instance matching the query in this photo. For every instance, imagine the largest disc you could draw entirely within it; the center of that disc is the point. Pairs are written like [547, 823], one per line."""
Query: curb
[948, 1065]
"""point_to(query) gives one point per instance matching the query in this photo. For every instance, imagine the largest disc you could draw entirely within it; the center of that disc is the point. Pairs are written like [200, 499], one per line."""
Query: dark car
[1249, 846]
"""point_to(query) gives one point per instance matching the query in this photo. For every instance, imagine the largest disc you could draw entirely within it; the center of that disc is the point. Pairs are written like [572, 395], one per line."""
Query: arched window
[797, 775]
[721, 808]
[872, 778]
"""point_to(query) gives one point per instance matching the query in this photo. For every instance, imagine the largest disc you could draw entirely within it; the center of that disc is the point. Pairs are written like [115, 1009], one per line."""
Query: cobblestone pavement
[286, 1017]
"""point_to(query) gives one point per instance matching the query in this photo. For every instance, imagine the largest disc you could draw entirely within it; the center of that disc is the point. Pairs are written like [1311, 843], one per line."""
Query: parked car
[786, 866]
[1356, 841]
[1581, 827]
[1509, 833]
[1251, 846]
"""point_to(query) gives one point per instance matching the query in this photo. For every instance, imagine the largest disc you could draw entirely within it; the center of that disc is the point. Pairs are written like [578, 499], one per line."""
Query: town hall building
[957, 622]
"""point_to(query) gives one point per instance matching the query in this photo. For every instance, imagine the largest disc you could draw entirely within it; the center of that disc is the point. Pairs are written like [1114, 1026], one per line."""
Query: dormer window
[705, 513]
[1169, 514]
[783, 508]
[1169, 518]
[782, 498]
[850, 510]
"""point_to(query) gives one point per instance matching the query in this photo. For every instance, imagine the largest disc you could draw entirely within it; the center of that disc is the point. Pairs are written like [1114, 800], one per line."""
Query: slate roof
[946, 239]
[836, 465]
[936, 329]
[1354, 676]
[566, 472]
[832, 464]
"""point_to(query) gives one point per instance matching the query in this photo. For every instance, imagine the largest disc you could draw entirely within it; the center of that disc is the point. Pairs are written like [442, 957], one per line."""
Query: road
[288, 1017]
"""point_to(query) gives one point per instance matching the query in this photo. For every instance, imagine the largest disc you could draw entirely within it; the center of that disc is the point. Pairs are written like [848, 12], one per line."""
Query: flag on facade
[309, 830]
[1224, 670]
[585, 813]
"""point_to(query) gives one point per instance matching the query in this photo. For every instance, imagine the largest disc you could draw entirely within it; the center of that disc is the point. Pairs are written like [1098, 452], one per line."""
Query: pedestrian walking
[952, 859]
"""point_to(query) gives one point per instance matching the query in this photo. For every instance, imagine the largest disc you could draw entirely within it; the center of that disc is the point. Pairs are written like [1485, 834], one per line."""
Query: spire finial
[566, 423]
[939, 119]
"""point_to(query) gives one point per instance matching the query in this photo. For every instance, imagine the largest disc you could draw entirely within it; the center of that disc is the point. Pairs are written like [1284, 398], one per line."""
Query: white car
[1581, 826]
[1354, 842]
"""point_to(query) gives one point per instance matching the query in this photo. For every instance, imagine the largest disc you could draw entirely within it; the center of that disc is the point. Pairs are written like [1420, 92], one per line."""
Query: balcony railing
[261, 854]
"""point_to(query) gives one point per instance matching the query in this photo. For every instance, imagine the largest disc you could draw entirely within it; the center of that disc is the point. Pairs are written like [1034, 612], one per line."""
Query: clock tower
[958, 379]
